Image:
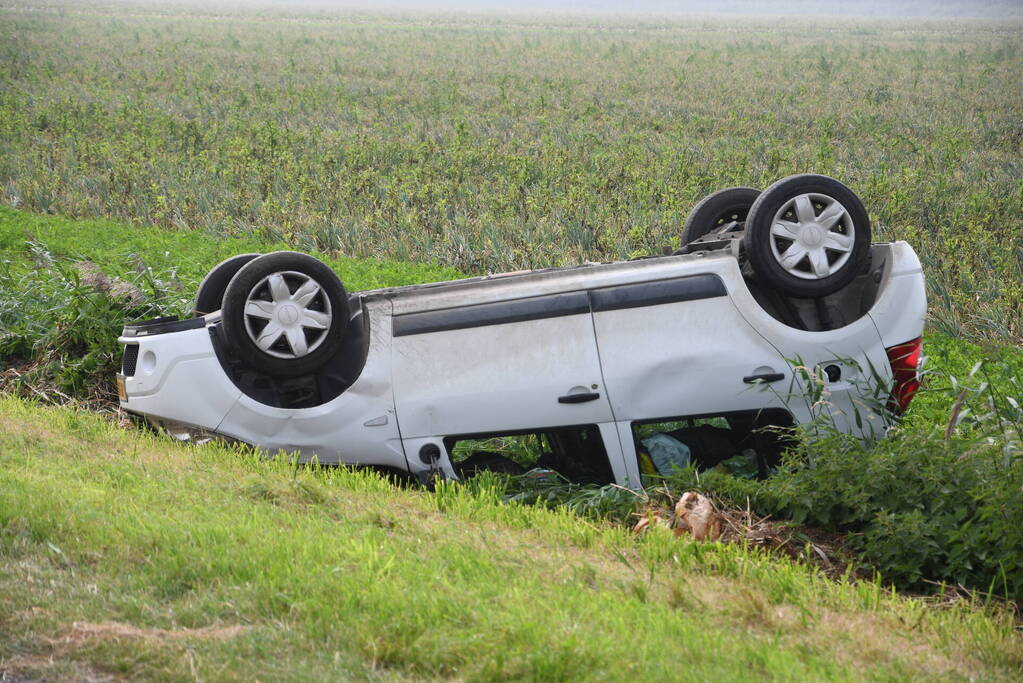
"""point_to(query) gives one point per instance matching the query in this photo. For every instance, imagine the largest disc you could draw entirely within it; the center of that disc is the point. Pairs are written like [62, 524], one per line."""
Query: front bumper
[176, 377]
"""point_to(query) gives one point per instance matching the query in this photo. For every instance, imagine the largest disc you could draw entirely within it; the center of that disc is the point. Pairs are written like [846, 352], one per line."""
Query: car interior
[575, 453]
[748, 443]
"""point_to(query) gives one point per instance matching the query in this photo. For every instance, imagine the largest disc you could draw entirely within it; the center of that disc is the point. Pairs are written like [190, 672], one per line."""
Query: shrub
[932, 503]
[921, 508]
[61, 319]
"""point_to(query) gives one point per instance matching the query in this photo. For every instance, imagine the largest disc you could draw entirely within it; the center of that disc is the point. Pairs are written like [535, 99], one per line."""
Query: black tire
[718, 210]
[328, 305]
[210, 296]
[803, 278]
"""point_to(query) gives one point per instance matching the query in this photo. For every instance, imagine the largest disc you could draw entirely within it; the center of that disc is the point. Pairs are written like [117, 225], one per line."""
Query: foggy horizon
[983, 9]
[865, 8]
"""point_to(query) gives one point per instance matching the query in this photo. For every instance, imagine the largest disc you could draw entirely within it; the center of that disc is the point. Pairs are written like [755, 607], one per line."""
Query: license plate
[121, 393]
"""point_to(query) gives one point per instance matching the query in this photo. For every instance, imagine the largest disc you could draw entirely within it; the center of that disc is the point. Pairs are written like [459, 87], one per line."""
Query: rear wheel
[807, 236]
[285, 313]
[722, 211]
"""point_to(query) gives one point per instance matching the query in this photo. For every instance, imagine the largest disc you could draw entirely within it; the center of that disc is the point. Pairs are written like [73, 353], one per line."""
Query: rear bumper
[900, 310]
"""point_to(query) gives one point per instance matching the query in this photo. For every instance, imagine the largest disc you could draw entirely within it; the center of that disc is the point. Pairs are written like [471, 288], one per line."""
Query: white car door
[679, 347]
[674, 348]
[842, 374]
[522, 364]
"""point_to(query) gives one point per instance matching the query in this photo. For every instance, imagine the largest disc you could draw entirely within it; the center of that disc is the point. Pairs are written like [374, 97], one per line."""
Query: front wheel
[210, 296]
[807, 236]
[285, 313]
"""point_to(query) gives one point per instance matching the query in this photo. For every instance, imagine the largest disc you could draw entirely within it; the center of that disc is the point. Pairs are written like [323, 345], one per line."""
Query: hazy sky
[862, 8]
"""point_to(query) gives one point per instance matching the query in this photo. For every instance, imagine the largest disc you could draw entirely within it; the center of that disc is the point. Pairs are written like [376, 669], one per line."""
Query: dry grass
[81, 632]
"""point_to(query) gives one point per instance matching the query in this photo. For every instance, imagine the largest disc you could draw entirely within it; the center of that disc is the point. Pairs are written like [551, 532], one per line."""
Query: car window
[744, 443]
[576, 454]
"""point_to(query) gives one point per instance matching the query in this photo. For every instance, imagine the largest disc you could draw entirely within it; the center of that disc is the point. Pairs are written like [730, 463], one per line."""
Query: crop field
[142, 143]
[497, 142]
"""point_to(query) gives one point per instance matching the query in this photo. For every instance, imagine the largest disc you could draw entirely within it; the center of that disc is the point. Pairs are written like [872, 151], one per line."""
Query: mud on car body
[572, 369]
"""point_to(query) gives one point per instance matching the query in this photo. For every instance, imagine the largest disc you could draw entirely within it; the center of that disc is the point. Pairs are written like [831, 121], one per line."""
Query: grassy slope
[126, 553]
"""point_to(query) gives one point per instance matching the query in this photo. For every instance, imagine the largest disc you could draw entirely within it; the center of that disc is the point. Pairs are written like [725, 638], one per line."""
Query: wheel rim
[287, 315]
[812, 236]
[729, 221]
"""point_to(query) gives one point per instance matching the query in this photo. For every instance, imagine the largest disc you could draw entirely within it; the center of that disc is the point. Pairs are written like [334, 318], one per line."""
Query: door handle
[763, 378]
[579, 398]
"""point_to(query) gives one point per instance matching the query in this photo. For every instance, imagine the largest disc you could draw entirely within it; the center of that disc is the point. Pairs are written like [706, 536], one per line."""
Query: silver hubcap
[812, 236]
[287, 315]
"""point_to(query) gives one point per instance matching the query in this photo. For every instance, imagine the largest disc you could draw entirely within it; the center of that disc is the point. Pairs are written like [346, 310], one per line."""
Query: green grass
[182, 257]
[127, 554]
[495, 142]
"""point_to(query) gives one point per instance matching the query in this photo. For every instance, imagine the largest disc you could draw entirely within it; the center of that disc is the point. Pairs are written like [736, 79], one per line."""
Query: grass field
[142, 144]
[162, 562]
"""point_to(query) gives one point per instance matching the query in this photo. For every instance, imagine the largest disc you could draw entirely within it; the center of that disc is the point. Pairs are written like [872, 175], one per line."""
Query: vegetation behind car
[515, 145]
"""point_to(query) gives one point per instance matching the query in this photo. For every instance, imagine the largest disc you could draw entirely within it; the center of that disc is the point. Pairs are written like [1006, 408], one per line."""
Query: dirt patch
[82, 631]
[38, 668]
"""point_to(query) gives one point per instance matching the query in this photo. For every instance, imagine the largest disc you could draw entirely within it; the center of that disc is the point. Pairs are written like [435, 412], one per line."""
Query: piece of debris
[698, 516]
[114, 287]
[695, 514]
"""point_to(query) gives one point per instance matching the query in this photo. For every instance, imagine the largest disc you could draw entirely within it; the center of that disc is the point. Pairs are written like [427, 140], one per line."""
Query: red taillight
[905, 362]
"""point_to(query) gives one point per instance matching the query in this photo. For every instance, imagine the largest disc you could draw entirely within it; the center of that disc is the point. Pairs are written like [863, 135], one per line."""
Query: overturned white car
[776, 295]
